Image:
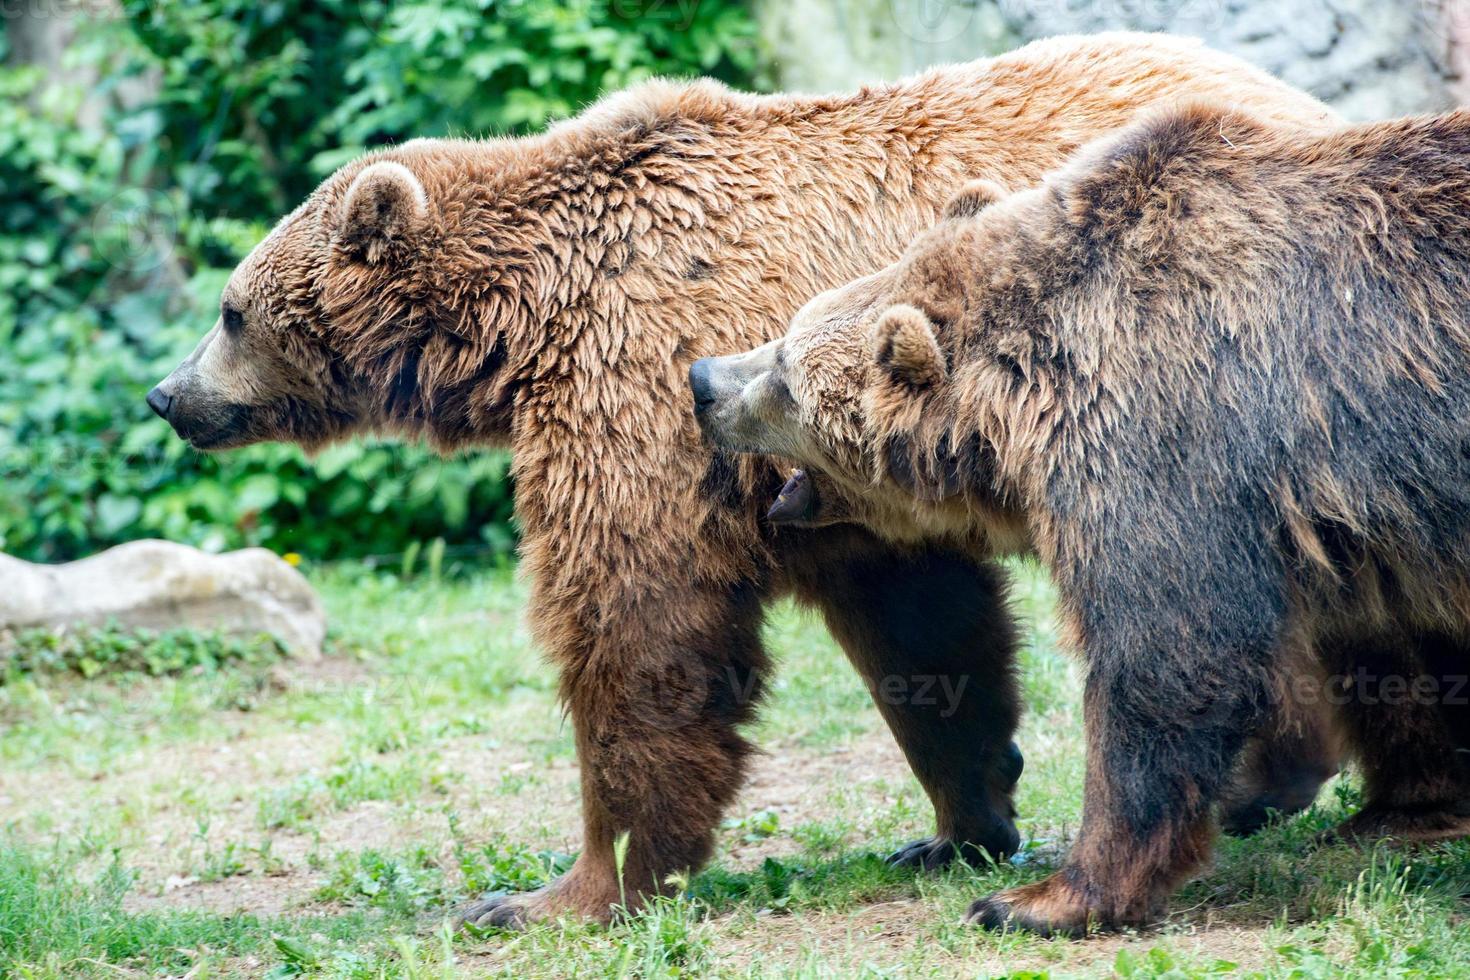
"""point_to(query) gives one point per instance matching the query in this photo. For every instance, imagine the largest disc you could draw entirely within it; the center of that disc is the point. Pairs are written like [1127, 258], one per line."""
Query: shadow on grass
[842, 882]
[1285, 875]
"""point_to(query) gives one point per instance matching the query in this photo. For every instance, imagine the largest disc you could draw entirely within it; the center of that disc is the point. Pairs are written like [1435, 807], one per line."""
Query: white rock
[159, 585]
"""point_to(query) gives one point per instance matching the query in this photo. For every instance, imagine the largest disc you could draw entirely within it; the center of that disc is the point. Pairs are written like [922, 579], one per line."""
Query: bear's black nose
[160, 402]
[701, 385]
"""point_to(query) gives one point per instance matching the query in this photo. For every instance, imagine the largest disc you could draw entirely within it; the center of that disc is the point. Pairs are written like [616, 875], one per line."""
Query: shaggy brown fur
[550, 293]
[1217, 374]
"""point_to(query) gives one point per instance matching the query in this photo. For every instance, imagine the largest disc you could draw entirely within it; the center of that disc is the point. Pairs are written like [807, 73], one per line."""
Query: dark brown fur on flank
[549, 294]
[1218, 376]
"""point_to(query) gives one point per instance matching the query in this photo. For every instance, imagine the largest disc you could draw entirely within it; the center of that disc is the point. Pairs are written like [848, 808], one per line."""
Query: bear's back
[1281, 314]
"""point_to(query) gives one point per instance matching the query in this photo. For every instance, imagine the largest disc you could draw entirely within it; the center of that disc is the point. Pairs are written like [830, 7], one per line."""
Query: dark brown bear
[550, 293]
[1217, 375]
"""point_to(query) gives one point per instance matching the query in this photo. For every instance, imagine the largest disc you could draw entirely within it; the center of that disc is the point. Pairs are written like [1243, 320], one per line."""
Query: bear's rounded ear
[904, 346]
[385, 207]
[973, 198]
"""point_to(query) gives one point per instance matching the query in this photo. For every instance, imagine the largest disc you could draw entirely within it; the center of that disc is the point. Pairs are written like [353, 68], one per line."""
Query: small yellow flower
[292, 559]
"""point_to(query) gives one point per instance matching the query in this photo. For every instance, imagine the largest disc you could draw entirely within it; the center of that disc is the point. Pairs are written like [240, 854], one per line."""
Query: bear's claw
[1422, 825]
[979, 850]
[928, 854]
[996, 843]
[999, 915]
[990, 913]
[496, 912]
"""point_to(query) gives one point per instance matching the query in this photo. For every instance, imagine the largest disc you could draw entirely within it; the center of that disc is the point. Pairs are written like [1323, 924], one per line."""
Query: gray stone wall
[1368, 58]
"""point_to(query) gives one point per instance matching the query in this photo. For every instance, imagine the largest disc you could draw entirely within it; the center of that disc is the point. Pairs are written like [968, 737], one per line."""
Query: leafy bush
[94, 650]
[115, 241]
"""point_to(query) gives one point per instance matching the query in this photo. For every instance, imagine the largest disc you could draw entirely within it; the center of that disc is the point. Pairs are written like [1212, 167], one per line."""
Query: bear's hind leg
[929, 632]
[1280, 776]
[1403, 707]
[1284, 765]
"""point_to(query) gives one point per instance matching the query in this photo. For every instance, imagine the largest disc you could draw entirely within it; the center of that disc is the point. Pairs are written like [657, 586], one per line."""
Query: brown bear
[1216, 374]
[549, 294]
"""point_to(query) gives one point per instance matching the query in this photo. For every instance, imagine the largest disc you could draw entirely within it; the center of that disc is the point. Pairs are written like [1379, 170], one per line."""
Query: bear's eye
[780, 388]
[777, 378]
[234, 320]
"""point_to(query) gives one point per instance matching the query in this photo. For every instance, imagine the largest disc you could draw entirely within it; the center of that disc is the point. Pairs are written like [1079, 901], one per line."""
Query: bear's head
[283, 360]
[815, 395]
[929, 397]
[398, 299]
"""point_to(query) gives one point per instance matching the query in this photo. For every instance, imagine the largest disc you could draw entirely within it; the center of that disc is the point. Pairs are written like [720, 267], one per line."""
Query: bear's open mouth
[796, 503]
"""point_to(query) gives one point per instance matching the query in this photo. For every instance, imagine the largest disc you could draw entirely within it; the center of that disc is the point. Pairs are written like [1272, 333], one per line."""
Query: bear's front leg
[1177, 679]
[656, 700]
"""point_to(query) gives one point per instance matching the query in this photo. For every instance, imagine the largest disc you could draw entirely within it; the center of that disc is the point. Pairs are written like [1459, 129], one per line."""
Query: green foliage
[57, 921]
[115, 240]
[94, 650]
[1164, 964]
[406, 883]
[785, 885]
[341, 76]
[754, 827]
[499, 866]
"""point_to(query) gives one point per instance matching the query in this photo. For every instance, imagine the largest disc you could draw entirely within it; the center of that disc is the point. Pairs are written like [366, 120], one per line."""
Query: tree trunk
[39, 35]
[1366, 58]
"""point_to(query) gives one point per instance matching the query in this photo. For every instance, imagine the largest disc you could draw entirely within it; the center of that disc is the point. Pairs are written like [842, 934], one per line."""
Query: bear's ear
[973, 198]
[385, 208]
[904, 346]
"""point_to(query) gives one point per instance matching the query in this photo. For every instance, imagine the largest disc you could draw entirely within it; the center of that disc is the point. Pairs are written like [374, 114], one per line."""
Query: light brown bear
[549, 294]
[1216, 374]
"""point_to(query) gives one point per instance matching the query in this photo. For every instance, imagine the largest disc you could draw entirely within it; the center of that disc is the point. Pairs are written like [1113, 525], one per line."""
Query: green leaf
[116, 513]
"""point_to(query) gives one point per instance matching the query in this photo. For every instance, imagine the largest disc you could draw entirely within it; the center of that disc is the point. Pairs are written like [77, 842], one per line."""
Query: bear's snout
[160, 402]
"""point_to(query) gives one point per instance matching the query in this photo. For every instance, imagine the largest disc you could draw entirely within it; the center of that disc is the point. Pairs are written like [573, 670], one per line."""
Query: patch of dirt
[500, 792]
[325, 672]
[798, 784]
[887, 931]
[266, 896]
[505, 792]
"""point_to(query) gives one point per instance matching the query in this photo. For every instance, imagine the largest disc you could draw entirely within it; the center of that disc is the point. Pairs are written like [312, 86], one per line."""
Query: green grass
[234, 815]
